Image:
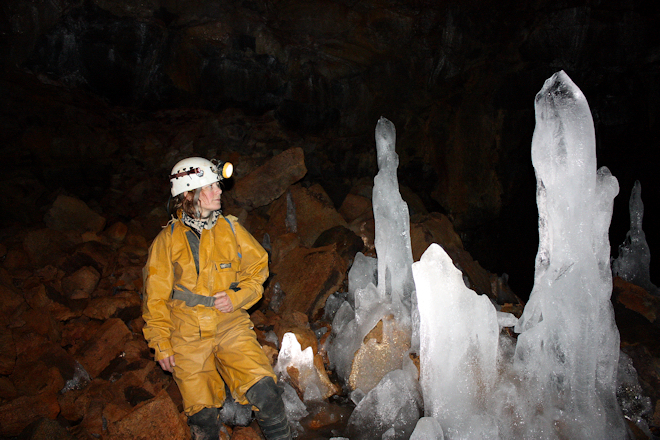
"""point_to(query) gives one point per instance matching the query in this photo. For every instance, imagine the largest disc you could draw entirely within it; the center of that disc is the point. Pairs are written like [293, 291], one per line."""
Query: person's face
[209, 199]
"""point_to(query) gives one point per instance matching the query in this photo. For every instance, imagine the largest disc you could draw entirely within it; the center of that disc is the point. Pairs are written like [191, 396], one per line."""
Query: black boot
[267, 397]
[204, 424]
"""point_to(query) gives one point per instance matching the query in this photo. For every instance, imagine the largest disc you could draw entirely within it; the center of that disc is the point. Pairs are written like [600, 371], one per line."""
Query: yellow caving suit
[209, 346]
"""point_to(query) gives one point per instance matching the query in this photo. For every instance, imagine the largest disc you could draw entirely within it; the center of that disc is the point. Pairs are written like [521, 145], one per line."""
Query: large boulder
[269, 181]
[72, 214]
[306, 211]
[306, 277]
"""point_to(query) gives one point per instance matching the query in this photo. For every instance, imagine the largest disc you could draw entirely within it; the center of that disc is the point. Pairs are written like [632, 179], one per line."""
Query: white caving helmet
[195, 172]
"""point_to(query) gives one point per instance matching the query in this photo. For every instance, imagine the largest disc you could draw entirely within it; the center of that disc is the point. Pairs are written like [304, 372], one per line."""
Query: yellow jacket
[228, 253]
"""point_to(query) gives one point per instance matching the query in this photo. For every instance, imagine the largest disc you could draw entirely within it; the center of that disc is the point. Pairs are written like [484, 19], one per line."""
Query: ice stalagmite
[568, 348]
[634, 260]
[458, 348]
[375, 369]
[394, 291]
[392, 221]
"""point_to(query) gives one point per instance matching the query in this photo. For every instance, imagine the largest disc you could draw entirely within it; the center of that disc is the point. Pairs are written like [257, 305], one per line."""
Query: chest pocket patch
[225, 265]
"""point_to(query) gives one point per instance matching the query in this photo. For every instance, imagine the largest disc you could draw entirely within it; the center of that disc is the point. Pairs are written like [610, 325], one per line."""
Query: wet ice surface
[634, 259]
[559, 378]
[568, 349]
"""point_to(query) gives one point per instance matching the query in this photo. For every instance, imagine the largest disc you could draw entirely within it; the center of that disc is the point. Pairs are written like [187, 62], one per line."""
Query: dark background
[98, 99]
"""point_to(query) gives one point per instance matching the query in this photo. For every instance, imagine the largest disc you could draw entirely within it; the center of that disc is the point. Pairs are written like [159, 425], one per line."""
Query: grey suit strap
[192, 299]
[193, 240]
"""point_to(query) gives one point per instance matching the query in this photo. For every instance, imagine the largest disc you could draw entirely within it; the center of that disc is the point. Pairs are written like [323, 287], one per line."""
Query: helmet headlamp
[196, 172]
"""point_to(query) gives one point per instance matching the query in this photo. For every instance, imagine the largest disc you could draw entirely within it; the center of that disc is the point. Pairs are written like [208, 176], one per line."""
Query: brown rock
[15, 259]
[258, 318]
[113, 412]
[51, 430]
[116, 233]
[314, 213]
[271, 353]
[355, 206]
[307, 277]
[112, 306]
[414, 202]
[365, 228]
[71, 214]
[437, 228]
[292, 322]
[92, 421]
[478, 277]
[81, 283]
[136, 325]
[46, 246]
[106, 344]
[77, 332]
[42, 323]
[74, 403]
[433, 228]
[136, 349]
[157, 418]
[17, 414]
[636, 298]
[28, 343]
[49, 274]
[96, 254]
[7, 389]
[347, 242]
[246, 433]
[381, 352]
[7, 351]
[40, 297]
[10, 301]
[282, 245]
[135, 250]
[175, 394]
[128, 278]
[45, 367]
[328, 416]
[271, 180]
[6, 278]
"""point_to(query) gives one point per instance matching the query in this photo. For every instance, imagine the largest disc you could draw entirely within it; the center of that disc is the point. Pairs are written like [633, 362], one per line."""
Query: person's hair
[184, 203]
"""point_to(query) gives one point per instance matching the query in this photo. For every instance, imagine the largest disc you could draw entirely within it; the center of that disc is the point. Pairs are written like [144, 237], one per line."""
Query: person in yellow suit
[203, 273]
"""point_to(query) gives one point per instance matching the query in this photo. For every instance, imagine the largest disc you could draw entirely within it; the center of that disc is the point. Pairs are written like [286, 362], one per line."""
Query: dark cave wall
[458, 80]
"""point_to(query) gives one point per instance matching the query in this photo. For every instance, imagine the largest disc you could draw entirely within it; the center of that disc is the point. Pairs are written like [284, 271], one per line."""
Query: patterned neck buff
[199, 224]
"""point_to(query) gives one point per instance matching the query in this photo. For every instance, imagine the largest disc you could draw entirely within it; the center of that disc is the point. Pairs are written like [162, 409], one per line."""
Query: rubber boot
[267, 397]
[204, 424]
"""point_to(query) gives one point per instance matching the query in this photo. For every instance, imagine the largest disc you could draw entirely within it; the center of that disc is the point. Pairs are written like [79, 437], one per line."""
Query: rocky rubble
[71, 346]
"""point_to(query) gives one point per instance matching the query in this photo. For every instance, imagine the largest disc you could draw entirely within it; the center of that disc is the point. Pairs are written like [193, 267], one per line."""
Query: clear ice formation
[568, 348]
[427, 428]
[458, 345]
[634, 260]
[294, 407]
[558, 380]
[634, 405]
[291, 355]
[392, 221]
[381, 286]
[390, 410]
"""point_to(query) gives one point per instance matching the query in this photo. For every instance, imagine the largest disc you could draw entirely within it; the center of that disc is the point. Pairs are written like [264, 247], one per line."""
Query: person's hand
[167, 364]
[223, 303]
